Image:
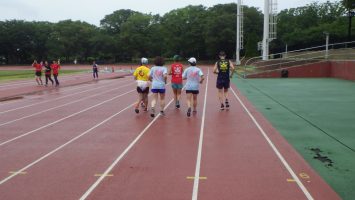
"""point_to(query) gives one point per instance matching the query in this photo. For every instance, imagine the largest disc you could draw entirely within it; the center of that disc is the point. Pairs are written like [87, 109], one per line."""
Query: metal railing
[297, 57]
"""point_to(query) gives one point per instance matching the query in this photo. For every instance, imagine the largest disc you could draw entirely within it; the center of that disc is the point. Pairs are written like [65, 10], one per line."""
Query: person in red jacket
[55, 67]
[176, 71]
[38, 72]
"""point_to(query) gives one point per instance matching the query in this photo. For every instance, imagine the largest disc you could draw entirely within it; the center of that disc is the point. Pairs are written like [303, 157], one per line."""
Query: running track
[91, 145]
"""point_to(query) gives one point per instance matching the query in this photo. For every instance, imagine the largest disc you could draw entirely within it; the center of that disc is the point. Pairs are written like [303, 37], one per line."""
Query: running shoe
[222, 106]
[162, 113]
[152, 114]
[136, 110]
[177, 104]
[189, 112]
[227, 104]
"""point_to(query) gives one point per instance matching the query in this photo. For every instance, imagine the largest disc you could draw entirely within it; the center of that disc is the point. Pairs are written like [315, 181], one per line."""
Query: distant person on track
[194, 77]
[56, 67]
[48, 72]
[158, 75]
[95, 70]
[176, 71]
[38, 72]
[141, 74]
[224, 70]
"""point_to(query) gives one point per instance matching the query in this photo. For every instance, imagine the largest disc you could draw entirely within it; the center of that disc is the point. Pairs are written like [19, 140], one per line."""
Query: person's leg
[154, 101]
[46, 79]
[226, 97]
[178, 95]
[50, 78]
[37, 80]
[162, 102]
[93, 73]
[140, 98]
[40, 79]
[145, 101]
[189, 102]
[56, 79]
[220, 98]
[194, 102]
[97, 74]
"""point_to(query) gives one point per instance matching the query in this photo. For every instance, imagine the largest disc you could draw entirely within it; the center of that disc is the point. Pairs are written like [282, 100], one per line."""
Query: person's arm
[232, 68]
[170, 70]
[150, 75]
[184, 75]
[201, 76]
[135, 75]
[215, 68]
[165, 78]
[165, 74]
[201, 79]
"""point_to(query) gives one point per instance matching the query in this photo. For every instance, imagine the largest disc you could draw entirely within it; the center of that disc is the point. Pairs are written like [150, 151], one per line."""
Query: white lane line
[62, 146]
[279, 155]
[109, 169]
[72, 102]
[30, 105]
[62, 119]
[200, 143]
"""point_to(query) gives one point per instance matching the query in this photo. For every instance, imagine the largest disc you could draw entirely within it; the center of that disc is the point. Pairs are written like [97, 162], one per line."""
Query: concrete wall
[336, 69]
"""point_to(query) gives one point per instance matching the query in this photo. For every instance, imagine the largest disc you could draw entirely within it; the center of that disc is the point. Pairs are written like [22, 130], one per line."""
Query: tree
[350, 6]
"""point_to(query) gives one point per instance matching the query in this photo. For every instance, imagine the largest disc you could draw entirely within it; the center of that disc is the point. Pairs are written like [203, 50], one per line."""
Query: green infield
[10, 75]
[317, 117]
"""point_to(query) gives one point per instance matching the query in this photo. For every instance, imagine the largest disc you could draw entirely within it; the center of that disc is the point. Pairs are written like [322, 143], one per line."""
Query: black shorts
[145, 91]
[223, 84]
[192, 91]
[38, 73]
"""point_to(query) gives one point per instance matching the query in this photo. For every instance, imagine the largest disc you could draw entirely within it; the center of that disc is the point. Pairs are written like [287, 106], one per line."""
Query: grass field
[9, 75]
[317, 117]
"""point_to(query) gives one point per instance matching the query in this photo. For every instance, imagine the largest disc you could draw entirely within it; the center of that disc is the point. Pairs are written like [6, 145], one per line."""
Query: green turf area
[8, 75]
[316, 116]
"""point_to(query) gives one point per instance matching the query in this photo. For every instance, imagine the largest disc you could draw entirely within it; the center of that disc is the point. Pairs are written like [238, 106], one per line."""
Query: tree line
[197, 31]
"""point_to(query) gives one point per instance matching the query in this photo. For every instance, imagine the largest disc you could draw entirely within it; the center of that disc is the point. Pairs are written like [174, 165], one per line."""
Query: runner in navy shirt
[222, 68]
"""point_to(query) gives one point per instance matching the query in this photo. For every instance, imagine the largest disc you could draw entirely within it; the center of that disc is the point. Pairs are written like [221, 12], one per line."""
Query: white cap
[144, 60]
[192, 60]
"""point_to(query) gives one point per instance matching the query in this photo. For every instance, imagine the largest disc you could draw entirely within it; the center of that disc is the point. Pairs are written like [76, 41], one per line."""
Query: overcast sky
[92, 11]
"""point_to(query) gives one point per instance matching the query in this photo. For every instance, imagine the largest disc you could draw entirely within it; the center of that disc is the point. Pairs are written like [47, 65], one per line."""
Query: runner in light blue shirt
[194, 77]
[158, 75]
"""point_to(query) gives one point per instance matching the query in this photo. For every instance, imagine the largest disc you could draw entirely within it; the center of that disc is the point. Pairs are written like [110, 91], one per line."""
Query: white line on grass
[30, 105]
[62, 119]
[98, 181]
[200, 143]
[80, 99]
[282, 159]
[62, 146]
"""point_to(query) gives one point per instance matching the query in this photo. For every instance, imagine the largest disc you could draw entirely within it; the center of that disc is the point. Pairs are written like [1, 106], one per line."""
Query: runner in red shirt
[38, 72]
[175, 71]
[55, 67]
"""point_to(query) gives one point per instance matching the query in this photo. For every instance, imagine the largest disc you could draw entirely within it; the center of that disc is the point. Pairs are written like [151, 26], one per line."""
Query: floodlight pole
[237, 57]
[326, 44]
[266, 30]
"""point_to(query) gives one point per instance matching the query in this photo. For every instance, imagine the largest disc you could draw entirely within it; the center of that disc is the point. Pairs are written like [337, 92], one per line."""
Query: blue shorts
[176, 86]
[161, 91]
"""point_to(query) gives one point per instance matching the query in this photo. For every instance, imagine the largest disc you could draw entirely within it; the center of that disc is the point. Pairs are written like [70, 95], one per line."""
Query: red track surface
[57, 153]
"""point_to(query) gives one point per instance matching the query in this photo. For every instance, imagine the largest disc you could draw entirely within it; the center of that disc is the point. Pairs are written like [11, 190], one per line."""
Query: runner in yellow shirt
[141, 75]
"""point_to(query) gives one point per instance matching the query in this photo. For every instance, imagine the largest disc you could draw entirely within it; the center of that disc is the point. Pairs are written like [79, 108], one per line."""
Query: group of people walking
[48, 71]
[157, 76]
